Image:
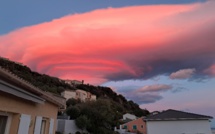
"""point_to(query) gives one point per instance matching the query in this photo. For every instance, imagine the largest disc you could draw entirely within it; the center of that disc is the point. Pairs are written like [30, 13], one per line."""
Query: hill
[56, 85]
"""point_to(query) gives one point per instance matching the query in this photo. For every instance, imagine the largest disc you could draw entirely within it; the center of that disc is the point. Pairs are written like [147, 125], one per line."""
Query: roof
[9, 76]
[131, 121]
[129, 114]
[176, 115]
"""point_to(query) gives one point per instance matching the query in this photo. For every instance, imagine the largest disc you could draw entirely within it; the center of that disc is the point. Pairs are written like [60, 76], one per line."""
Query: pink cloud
[210, 70]
[155, 88]
[182, 74]
[117, 43]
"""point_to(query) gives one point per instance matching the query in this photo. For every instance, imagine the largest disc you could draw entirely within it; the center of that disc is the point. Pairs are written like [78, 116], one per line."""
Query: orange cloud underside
[92, 45]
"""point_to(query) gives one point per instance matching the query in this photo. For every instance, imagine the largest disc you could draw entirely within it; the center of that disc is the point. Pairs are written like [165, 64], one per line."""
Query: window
[134, 127]
[3, 123]
[141, 126]
[43, 126]
[125, 127]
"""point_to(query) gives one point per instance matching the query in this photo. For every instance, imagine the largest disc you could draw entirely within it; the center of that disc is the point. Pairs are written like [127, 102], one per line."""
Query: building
[78, 94]
[135, 126]
[178, 122]
[25, 109]
[69, 94]
[85, 96]
[74, 82]
[82, 95]
[93, 97]
[128, 116]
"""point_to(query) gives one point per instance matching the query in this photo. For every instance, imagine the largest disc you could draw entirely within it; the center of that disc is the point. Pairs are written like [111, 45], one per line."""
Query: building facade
[74, 82]
[178, 122]
[69, 94]
[135, 126]
[78, 94]
[25, 109]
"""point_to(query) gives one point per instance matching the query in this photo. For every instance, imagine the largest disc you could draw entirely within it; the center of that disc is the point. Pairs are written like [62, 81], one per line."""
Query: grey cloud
[179, 89]
[155, 88]
[194, 49]
[145, 98]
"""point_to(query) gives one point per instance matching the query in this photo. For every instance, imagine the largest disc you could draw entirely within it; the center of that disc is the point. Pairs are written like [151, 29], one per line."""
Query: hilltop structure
[78, 94]
[74, 82]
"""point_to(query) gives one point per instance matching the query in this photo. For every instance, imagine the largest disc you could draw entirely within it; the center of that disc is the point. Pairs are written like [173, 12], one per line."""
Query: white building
[178, 122]
[82, 95]
[85, 96]
[74, 82]
[78, 94]
[93, 97]
[129, 117]
[68, 94]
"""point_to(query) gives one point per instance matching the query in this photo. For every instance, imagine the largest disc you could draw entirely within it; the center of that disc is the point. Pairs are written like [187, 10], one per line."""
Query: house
[77, 82]
[25, 109]
[128, 116]
[74, 82]
[78, 94]
[69, 94]
[178, 122]
[135, 126]
[92, 97]
[85, 96]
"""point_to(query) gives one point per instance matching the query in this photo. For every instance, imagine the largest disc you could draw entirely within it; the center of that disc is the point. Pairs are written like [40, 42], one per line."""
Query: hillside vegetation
[115, 103]
[42, 81]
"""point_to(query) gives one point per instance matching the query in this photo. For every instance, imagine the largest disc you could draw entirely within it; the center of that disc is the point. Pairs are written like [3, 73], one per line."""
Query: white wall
[82, 95]
[93, 97]
[129, 116]
[178, 127]
[67, 126]
[69, 94]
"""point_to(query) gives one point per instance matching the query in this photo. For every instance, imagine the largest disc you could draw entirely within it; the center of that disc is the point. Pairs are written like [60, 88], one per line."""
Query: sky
[158, 53]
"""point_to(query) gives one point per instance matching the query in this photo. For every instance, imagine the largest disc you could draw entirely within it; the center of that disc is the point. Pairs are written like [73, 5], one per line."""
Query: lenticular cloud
[118, 43]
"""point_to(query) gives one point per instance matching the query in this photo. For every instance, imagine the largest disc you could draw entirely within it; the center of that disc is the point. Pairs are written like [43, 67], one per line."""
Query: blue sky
[17, 14]
[177, 72]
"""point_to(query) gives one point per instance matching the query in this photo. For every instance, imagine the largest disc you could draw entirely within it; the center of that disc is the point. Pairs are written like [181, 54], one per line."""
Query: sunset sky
[160, 53]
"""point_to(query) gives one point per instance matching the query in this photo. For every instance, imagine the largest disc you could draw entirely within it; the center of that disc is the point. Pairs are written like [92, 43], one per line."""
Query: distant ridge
[56, 85]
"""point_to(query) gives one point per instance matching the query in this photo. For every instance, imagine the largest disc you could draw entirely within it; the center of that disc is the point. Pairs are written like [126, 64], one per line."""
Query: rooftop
[176, 115]
[9, 76]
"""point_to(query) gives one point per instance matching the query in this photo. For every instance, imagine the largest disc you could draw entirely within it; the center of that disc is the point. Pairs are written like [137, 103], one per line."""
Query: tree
[101, 114]
[72, 102]
[82, 122]
[73, 112]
